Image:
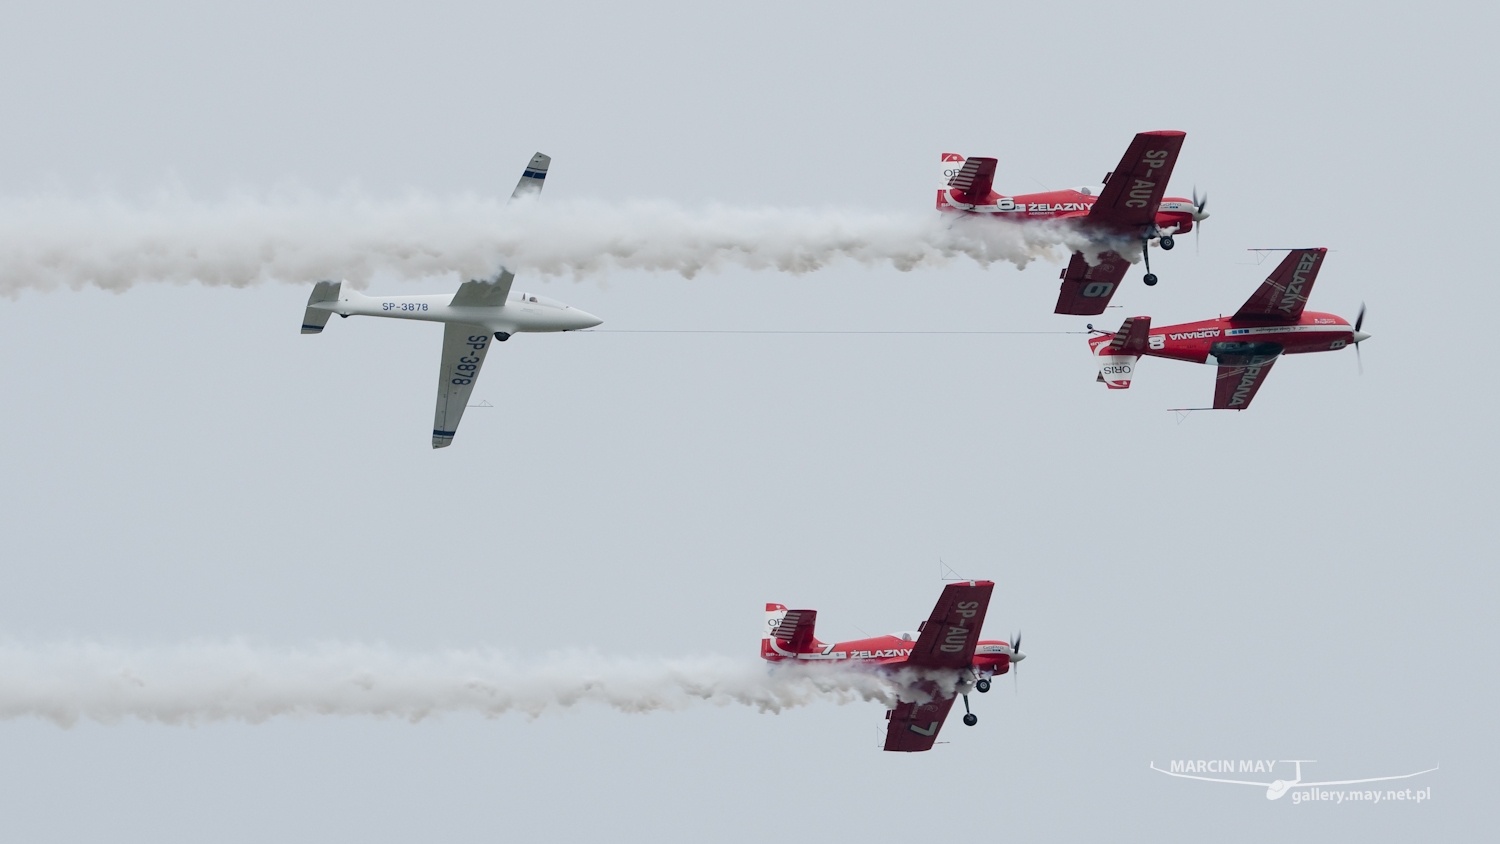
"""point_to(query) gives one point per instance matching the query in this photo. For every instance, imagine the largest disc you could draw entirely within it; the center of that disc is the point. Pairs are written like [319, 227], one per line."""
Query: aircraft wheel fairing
[1150, 279]
[982, 686]
[971, 719]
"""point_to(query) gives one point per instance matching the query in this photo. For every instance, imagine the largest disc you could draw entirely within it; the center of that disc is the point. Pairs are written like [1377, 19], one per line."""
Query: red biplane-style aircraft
[1244, 346]
[947, 641]
[1132, 203]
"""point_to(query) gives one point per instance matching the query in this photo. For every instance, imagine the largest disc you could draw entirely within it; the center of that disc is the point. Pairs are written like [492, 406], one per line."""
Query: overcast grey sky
[1312, 579]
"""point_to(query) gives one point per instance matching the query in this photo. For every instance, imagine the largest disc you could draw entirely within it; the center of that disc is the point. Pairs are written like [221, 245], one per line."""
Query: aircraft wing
[949, 635]
[533, 177]
[1133, 193]
[464, 348]
[1239, 380]
[1283, 294]
[914, 727]
[1086, 290]
[484, 294]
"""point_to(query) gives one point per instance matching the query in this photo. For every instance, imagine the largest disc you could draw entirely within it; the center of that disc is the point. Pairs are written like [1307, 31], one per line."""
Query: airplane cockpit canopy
[533, 299]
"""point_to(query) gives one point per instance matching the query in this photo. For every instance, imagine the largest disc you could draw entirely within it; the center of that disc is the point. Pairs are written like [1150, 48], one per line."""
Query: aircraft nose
[583, 319]
[1360, 337]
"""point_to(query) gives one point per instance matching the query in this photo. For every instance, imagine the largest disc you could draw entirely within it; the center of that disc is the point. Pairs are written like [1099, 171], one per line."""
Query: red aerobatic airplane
[947, 641]
[1131, 203]
[1244, 346]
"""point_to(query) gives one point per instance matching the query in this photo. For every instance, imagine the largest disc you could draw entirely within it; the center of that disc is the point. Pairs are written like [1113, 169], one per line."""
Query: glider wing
[464, 348]
[533, 177]
[484, 294]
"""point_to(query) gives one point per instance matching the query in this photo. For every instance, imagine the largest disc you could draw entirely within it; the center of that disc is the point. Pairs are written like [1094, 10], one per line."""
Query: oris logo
[1115, 369]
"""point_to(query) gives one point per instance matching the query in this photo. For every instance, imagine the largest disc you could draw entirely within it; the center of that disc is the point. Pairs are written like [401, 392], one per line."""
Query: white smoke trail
[235, 681]
[49, 242]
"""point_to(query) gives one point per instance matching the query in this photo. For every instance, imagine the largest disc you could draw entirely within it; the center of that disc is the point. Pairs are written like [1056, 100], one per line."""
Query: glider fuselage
[521, 313]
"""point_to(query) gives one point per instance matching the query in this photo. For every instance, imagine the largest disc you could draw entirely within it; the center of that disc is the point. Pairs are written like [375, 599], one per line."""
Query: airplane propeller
[1199, 216]
[1015, 662]
[1359, 323]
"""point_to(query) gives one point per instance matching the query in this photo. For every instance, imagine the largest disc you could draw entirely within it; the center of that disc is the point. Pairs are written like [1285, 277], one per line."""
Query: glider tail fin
[314, 318]
[1118, 354]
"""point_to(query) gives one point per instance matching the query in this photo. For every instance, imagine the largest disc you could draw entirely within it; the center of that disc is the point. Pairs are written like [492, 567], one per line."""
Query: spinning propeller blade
[1015, 665]
[1359, 322]
[1198, 217]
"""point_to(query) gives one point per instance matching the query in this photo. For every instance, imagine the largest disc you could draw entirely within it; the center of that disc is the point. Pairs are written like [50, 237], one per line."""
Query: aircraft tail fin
[787, 632]
[952, 163]
[1118, 354]
[968, 182]
[313, 319]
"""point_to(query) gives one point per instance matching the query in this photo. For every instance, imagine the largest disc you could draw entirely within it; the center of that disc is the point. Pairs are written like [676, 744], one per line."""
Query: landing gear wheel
[1167, 242]
[971, 719]
[1150, 279]
[982, 686]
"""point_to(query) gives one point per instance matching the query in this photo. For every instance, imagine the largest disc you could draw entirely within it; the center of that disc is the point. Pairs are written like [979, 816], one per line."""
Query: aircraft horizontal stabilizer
[796, 629]
[313, 319]
[1118, 354]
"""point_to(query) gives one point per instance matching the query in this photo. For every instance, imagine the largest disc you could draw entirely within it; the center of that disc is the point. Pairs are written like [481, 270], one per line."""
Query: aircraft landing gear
[970, 719]
[1150, 278]
[501, 336]
[982, 686]
[1167, 242]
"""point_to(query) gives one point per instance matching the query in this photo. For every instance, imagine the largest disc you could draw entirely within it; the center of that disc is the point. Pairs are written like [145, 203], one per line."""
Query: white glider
[479, 310]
